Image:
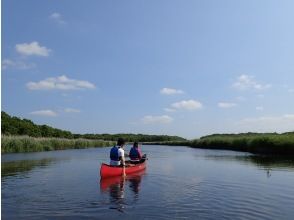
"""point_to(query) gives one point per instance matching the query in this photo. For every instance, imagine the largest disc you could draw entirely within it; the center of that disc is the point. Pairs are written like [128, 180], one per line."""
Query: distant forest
[16, 126]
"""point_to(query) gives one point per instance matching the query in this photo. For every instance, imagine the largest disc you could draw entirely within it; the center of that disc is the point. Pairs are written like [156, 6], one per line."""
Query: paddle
[124, 164]
[123, 172]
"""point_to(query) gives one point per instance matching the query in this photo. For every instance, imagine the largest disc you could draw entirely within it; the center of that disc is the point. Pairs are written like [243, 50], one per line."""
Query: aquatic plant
[15, 144]
[267, 143]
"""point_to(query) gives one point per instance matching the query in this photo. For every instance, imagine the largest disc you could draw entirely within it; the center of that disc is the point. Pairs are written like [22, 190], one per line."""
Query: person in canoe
[135, 154]
[117, 154]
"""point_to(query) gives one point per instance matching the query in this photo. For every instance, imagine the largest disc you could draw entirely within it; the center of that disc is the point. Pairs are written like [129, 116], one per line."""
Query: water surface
[179, 183]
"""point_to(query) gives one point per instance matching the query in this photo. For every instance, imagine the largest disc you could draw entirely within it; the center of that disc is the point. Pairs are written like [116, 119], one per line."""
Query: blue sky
[186, 68]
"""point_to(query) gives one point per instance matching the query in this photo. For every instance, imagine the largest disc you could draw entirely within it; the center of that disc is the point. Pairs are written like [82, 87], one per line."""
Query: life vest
[114, 153]
[134, 154]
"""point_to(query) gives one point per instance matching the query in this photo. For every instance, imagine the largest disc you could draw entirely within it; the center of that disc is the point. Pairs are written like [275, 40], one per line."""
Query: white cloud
[259, 108]
[72, 110]
[187, 105]
[15, 64]
[226, 104]
[288, 88]
[163, 119]
[170, 91]
[32, 49]
[282, 123]
[60, 83]
[246, 82]
[169, 110]
[48, 113]
[57, 18]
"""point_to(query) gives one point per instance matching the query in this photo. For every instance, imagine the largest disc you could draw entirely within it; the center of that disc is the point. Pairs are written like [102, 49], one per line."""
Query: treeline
[131, 137]
[17, 127]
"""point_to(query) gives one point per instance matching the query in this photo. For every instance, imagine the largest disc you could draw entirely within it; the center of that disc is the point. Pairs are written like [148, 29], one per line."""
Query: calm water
[179, 183]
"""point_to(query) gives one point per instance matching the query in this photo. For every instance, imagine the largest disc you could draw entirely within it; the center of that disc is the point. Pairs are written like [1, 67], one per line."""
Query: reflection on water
[180, 183]
[272, 162]
[116, 188]
[266, 162]
[135, 182]
[263, 162]
[12, 168]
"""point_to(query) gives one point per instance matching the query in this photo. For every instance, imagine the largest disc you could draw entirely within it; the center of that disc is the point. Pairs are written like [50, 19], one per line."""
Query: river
[179, 183]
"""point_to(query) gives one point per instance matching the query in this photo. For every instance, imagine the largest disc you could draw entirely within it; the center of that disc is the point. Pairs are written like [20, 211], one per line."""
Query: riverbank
[275, 144]
[18, 144]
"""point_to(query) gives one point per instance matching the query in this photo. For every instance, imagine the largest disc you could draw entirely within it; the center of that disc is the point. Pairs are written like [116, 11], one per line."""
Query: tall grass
[257, 143]
[16, 144]
[262, 143]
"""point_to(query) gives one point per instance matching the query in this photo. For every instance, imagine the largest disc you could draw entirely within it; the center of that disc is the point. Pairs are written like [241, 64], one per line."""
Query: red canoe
[110, 171]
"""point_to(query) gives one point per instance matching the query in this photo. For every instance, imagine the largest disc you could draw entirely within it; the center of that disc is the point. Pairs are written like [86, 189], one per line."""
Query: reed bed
[17, 144]
[264, 144]
[257, 143]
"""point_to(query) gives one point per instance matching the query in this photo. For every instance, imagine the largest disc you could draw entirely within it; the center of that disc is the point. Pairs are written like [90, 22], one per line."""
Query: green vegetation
[22, 135]
[269, 143]
[16, 126]
[131, 137]
[266, 143]
[16, 144]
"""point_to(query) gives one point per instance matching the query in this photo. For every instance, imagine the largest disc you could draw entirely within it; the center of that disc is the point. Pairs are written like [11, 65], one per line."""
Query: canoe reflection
[117, 186]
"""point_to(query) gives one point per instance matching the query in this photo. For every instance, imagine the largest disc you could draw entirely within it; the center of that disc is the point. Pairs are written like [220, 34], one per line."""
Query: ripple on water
[180, 183]
[232, 200]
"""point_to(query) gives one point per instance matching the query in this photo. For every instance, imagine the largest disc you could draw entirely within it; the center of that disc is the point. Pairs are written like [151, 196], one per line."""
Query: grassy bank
[253, 143]
[17, 144]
